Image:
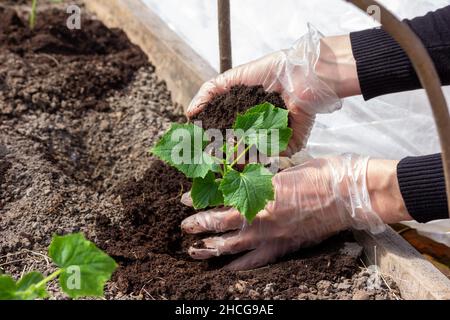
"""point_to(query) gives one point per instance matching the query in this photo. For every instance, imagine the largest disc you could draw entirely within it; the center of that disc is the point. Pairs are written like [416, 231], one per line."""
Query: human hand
[292, 73]
[314, 200]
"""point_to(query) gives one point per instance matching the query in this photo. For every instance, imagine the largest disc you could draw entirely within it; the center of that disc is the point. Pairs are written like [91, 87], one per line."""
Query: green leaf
[248, 191]
[228, 150]
[84, 267]
[27, 286]
[266, 127]
[205, 192]
[24, 289]
[8, 288]
[271, 142]
[33, 13]
[32, 20]
[183, 148]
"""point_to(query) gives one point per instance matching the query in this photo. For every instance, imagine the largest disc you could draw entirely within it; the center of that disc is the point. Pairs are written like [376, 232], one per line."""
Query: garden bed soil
[78, 113]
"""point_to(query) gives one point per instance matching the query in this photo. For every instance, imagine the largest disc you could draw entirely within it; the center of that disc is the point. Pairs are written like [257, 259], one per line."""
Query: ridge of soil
[54, 67]
[75, 159]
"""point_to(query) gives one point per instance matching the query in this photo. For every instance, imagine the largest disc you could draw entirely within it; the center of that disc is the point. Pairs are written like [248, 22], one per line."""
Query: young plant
[217, 181]
[33, 13]
[82, 271]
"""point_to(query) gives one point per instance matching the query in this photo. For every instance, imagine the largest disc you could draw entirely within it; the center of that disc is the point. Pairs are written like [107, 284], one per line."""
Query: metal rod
[426, 72]
[223, 7]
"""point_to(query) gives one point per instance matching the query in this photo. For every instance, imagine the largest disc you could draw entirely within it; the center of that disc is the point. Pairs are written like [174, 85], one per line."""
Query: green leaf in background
[8, 288]
[33, 13]
[261, 123]
[24, 289]
[84, 267]
[205, 192]
[248, 191]
[27, 286]
[183, 148]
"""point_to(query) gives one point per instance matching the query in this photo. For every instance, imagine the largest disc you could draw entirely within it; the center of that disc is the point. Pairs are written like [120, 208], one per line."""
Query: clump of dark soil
[223, 108]
[9, 21]
[154, 208]
[55, 67]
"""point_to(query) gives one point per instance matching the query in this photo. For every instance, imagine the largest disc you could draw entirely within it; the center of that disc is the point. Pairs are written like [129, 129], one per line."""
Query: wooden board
[185, 71]
[415, 276]
[437, 253]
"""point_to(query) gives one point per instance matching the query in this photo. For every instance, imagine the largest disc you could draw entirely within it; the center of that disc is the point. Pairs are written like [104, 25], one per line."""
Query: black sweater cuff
[422, 185]
[383, 66]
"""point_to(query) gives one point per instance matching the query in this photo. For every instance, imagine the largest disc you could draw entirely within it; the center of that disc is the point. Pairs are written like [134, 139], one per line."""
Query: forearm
[382, 65]
[336, 66]
[371, 63]
[384, 190]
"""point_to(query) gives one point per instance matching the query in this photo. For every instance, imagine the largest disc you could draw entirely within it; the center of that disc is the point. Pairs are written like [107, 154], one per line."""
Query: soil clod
[223, 109]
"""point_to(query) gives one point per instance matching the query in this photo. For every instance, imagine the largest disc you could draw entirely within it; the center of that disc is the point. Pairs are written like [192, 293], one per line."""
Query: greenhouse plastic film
[390, 127]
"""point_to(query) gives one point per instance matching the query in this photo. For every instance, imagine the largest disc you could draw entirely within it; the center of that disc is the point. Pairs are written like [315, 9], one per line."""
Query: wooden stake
[223, 7]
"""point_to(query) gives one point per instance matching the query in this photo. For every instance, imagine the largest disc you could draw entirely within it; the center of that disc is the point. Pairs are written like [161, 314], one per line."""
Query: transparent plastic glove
[290, 72]
[313, 201]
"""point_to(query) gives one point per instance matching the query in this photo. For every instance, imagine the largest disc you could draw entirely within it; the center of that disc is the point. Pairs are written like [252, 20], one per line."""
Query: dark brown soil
[74, 69]
[78, 112]
[4, 167]
[223, 109]
[154, 208]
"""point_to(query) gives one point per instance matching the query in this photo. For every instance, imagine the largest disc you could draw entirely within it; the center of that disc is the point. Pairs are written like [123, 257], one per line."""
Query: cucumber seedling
[217, 181]
[83, 270]
[33, 14]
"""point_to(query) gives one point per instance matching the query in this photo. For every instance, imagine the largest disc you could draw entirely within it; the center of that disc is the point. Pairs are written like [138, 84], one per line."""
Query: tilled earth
[78, 113]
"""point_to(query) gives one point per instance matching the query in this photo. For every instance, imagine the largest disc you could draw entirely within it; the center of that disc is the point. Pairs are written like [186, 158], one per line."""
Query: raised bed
[417, 278]
[77, 116]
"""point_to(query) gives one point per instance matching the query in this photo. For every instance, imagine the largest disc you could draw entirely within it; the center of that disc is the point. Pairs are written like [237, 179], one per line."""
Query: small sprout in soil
[33, 13]
[83, 270]
[217, 181]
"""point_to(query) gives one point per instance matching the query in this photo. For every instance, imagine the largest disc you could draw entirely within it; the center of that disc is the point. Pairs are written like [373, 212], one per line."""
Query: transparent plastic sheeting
[438, 230]
[389, 127]
[392, 127]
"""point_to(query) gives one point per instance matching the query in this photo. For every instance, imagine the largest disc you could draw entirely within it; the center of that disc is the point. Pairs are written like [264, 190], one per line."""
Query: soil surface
[223, 109]
[78, 112]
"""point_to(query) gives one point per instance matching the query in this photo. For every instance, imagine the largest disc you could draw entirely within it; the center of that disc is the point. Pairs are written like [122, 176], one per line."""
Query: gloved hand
[314, 200]
[290, 72]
